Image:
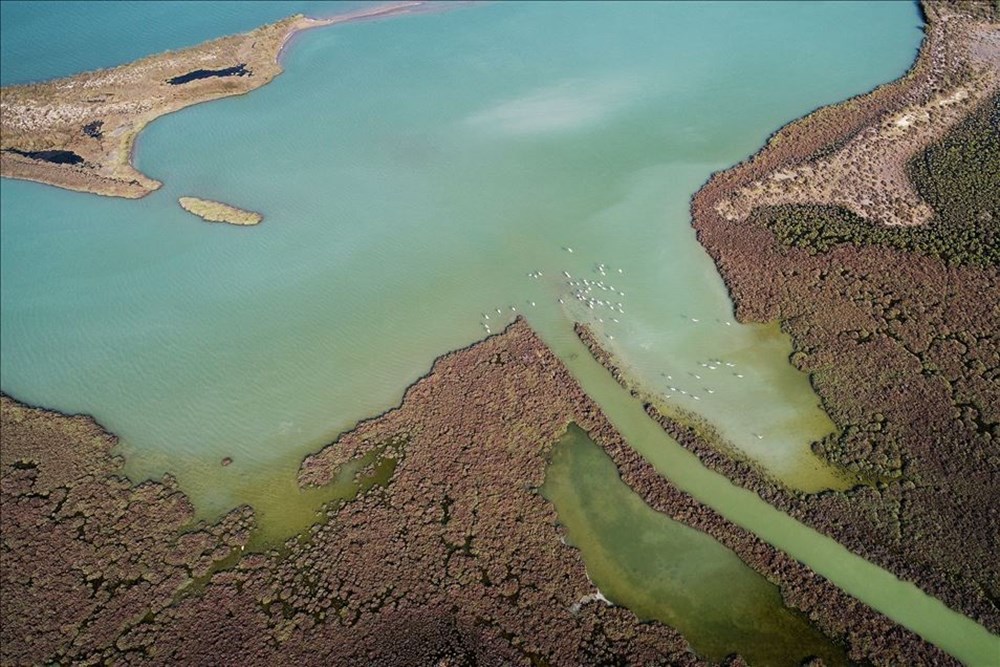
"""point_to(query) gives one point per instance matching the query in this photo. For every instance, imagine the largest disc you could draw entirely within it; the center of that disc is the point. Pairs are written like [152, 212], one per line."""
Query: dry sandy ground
[867, 175]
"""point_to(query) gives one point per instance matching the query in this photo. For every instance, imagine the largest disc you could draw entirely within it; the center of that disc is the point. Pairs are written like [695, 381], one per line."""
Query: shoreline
[907, 526]
[428, 434]
[98, 116]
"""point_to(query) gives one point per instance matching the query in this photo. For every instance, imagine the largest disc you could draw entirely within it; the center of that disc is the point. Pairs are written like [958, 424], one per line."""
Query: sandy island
[215, 211]
[78, 132]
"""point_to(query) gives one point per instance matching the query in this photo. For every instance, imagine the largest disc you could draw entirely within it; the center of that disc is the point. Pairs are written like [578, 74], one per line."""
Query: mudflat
[215, 211]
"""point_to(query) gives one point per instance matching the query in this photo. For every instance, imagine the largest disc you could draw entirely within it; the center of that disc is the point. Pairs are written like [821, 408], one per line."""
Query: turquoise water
[43, 40]
[412, 172]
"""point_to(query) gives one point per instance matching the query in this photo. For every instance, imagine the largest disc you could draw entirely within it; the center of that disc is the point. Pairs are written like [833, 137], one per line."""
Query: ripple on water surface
[392, 228]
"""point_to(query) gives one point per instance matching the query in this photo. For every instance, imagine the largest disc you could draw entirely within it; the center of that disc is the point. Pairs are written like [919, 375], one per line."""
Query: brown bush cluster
[901, 347]
[458, 560]
[84, 554]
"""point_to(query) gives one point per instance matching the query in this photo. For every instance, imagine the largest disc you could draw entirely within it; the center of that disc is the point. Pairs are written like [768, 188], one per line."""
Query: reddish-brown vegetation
[901, 347]
[457, 561]
[84, 554]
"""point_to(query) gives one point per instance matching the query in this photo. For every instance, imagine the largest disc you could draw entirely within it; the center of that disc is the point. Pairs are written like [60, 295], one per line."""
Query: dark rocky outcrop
[53, 156]
[236, 70]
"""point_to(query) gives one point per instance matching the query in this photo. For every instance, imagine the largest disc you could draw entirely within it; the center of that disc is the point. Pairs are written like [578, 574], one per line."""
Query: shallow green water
[901, 601]
[412, 173]
[664, 570]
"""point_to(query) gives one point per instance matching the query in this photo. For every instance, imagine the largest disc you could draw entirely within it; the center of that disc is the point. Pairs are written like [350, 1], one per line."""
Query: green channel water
[413, 173]
[901, 601]
[663, 570]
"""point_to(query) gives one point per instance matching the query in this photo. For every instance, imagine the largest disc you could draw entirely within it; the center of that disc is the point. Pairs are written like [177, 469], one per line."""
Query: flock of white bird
[598, 294]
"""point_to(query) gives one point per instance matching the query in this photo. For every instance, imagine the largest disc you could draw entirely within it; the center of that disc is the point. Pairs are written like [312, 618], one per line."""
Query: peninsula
[863, 167]
[869, 230]
[79, 132]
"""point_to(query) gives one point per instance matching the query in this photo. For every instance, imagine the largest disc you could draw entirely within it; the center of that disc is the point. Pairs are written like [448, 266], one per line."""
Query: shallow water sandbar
[215, 211]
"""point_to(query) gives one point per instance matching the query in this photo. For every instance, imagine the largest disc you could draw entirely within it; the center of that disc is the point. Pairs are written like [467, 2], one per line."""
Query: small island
[215, 211]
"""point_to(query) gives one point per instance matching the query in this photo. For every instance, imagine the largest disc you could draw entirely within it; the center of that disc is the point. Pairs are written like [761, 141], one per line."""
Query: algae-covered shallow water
[664, 570]
[412, 173]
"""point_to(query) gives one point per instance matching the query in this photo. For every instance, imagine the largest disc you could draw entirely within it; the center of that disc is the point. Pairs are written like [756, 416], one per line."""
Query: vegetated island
[78, 132]
[888, 283]
[448, 554]
[215, 211]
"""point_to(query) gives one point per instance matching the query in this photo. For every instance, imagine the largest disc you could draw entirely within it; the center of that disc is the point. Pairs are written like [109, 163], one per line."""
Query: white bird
[695, 319]
[697, 398]
[569, 250]
[566, 273]
[620, 271]
[532, 303]
[611, 337]
[711, 391]
[759, 436]
[739, 375]
[486, 316]
[498, 311]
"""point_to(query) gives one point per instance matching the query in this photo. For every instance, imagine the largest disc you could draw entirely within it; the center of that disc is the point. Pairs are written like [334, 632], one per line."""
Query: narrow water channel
[901, 601]
[527, 130]
[663, 570]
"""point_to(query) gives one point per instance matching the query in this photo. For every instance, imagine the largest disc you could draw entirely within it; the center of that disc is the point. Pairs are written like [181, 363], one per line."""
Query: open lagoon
[412, 172]
[422, 180]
